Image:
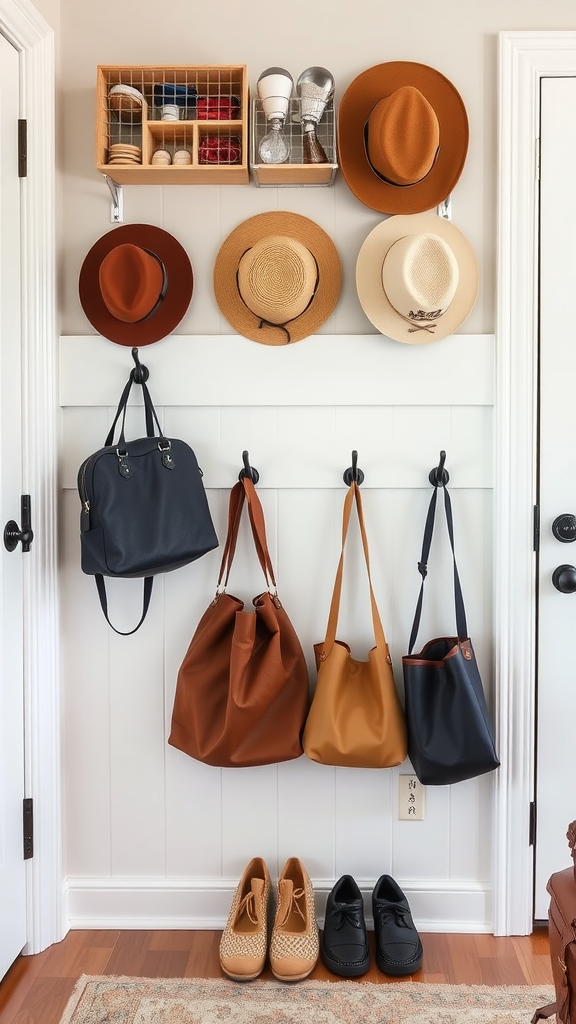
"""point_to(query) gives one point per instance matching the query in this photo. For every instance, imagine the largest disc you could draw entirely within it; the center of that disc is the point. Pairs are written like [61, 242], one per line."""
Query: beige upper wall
[457, 37]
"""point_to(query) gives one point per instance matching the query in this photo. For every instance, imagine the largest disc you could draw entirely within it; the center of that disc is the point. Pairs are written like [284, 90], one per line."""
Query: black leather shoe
[344, 945]
[398, 945]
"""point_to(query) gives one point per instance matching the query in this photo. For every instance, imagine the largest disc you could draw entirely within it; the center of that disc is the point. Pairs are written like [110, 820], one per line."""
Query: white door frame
[524, 58]
[29, 33]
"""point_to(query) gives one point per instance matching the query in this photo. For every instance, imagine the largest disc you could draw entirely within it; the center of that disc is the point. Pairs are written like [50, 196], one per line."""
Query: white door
[12, 867]
[556, 679]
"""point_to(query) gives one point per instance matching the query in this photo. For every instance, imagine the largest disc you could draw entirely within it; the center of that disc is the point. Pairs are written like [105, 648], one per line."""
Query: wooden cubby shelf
[208, 119]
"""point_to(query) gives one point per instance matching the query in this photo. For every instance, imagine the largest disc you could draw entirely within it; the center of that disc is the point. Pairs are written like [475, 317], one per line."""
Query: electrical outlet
[410, 798]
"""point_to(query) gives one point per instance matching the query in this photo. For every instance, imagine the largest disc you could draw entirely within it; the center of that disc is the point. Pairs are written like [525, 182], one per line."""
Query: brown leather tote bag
[242, 691]
[356, 719]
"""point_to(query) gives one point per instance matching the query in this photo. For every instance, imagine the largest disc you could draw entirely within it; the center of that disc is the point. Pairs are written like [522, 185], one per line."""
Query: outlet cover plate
[410, 798]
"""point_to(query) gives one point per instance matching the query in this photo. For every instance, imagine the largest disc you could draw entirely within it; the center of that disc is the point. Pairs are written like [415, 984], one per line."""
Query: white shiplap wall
[155, 839]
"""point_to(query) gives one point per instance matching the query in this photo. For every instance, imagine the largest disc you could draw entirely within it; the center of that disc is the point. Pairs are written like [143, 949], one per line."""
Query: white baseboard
[203, 903]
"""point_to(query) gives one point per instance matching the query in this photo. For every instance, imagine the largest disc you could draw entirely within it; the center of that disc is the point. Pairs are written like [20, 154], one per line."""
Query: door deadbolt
[564, 579]
[564, 527]
[13, 535]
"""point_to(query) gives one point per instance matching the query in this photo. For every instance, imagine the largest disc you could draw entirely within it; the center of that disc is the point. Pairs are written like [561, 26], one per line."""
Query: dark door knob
[564, 527]
[13, 535]
[564, 579]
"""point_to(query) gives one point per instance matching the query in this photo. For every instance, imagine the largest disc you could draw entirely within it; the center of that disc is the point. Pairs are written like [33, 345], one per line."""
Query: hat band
[421, 321]
[281, 326]
[162, 295]
[389, 181]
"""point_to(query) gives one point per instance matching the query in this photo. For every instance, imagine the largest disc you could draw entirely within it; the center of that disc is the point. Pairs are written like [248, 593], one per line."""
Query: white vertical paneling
[421, 849]
[86, 727]
[306, 815]
[249, 816]
[470, 839]
[153, 812]
[202, 249]
[137, 741]
[363, 814]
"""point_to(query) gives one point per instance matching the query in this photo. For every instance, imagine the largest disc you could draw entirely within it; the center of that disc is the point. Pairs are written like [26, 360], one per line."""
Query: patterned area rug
[190, 1001]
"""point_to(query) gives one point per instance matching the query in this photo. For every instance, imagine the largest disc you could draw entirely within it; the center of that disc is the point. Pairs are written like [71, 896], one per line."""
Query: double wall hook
[353, 474]
[248, 470]
[140, 373]
[439, 476]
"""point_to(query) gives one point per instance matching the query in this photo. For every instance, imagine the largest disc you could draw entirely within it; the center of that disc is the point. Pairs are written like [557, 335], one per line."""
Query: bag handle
[461, 626]
[149, 412]
[353, 496]
[146, 595]
[243, 491]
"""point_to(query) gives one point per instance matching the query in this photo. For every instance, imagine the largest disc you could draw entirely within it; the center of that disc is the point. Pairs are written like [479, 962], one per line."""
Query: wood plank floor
[37, 988]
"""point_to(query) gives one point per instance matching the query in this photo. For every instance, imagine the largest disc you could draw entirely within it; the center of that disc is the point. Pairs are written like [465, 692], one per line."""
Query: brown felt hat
[402, 137]
[277, 278]
[135, 284]
[416, 278]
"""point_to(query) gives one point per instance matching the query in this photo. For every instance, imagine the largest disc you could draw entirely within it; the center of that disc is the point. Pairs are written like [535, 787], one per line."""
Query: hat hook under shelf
[248, 470]
[444, 209]
[117, 207]
[353, 474]
[439, 476]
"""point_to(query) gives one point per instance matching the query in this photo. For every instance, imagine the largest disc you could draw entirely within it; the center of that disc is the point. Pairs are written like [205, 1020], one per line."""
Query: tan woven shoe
[245, 937]
[294, 945]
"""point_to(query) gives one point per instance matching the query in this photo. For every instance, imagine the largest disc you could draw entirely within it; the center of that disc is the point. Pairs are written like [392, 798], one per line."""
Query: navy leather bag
[144, 507]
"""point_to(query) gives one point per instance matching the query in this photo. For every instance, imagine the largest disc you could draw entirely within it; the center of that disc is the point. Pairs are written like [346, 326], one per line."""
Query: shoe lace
[397, 911]
[347, 915]
[248, 906]
[293, 905]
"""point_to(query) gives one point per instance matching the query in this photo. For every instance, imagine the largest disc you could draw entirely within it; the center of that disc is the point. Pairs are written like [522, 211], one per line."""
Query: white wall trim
[21, 23]
[204, 903]
[524, 58]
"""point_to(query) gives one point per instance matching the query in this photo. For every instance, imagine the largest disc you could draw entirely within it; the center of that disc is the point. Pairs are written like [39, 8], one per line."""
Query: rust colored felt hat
[135, 284]
[277, 278]
[402, 137]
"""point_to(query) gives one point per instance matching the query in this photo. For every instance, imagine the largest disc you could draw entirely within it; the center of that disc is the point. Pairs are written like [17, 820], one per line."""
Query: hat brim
[373, 298]
[361, 96]
[243, 238]
[179, 288]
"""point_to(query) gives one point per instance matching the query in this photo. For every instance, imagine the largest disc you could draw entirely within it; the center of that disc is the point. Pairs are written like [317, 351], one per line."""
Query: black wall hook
[353, 473]
[140, 373]
[248, 470]
[439, 476]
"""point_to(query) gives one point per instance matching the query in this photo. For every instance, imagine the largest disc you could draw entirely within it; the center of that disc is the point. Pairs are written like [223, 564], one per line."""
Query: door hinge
[22, 147]
[536, 528]
[28, 828]
[537, 159]
[532, 825]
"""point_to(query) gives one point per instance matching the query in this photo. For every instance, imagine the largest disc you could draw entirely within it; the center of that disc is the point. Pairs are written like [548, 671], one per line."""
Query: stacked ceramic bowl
[124, 153]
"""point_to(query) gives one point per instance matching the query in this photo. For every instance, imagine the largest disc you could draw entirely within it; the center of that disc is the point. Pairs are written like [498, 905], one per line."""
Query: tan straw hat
[135, 284]
[416, 278]
[277, 278]
[402, 137]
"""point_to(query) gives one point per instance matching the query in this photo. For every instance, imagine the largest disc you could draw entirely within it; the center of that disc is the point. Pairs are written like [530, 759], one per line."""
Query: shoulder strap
[243, 491]
[353, 496]
[147, 594]
[461, 625]
[149, 412]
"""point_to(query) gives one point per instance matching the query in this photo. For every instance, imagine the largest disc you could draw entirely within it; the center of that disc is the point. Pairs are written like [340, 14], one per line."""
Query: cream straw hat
[416, 278]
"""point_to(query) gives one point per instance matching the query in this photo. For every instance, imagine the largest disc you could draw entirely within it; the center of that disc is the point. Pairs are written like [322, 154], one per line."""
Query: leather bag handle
[149, 412]
[244, 491]
[353, 496]
[461, 624]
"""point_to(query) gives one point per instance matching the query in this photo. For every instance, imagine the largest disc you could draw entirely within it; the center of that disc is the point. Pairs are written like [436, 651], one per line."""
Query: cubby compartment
[199, 110]
[294, 171]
